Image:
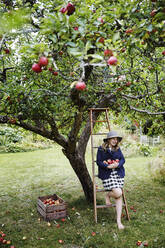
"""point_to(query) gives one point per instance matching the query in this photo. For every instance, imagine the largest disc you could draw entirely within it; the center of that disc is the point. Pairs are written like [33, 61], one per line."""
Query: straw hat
[113, 134]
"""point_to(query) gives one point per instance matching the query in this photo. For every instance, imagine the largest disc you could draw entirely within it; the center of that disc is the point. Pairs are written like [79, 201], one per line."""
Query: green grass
[26, 176]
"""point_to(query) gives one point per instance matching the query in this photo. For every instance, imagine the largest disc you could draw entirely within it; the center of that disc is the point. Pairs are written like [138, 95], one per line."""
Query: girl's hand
[105, 162]
[113, 166]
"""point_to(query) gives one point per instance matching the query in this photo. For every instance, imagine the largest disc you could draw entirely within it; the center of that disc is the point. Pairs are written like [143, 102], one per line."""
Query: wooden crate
[51, 212]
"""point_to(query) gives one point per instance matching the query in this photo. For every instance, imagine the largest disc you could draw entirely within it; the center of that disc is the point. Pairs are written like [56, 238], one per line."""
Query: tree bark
[78, 164]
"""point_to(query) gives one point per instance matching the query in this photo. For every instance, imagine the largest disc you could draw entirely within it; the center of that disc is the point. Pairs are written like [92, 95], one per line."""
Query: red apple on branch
[43, 61]
[70, 9]
[163, 53]
[112, 60]
[100, 19]
[153, 13]
[76, 28]
[129, 31]
[108, 52]
[80, 85]
[101, 40]
[63, 10]
[55, 73]
[36, 68]
[7, 51]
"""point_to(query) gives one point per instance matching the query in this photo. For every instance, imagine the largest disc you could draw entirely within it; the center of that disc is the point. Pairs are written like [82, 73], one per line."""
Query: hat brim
[118, 137]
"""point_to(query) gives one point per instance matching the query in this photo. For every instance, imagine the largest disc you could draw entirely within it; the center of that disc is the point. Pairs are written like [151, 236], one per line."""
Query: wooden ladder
[94, 175]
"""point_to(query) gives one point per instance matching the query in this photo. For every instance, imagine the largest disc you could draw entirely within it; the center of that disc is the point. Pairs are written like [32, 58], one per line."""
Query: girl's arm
[101, 159]
[121, 159]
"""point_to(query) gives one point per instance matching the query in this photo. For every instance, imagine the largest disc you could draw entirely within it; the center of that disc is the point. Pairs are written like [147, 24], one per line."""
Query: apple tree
[60, 58]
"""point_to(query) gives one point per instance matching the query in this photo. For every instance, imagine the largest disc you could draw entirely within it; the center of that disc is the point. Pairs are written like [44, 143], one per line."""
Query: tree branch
[72, 137]
[105, 102]
[146, 111]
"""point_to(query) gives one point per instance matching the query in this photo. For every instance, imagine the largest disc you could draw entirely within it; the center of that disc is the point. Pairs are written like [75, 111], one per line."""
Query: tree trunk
[78, 164]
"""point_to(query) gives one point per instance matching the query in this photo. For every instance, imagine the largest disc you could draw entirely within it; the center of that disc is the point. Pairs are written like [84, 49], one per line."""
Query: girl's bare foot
[120, 226]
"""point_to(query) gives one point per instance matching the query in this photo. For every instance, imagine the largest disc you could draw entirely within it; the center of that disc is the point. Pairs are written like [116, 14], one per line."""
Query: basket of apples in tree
[51, 207]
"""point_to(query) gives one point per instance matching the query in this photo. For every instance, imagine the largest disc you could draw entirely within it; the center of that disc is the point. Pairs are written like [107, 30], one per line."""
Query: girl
[110, 161]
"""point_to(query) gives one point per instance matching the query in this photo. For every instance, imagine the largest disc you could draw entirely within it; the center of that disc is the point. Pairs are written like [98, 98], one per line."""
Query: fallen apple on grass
[63, 219]
[138, 243]
[145, 243]
[93, 233]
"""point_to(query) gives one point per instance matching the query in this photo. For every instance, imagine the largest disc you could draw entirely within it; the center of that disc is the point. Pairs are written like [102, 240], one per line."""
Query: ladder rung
[101, 190]
[98, 109]
[99, 134]
[95, 146]
[100, 121]
[108, 206]
[105, 206]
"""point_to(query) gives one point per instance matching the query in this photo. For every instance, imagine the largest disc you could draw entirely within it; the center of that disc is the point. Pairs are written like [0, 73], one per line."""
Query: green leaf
[75, 51]
[88, 46]
[96, 56]
[72, 44]
[149, 28]
[116, 36]
[53, 38]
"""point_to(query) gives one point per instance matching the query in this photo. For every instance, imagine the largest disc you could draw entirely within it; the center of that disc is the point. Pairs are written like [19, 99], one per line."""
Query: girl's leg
[119, 212]
[107, 199]
[117, 194]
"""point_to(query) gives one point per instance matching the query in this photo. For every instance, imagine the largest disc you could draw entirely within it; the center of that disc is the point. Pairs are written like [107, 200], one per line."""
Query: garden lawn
[26, 176]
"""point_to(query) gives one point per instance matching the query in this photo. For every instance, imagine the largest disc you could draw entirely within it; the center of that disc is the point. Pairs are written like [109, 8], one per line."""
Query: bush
[18, 140]
[144, 150]
[157, 169]
[9, 135]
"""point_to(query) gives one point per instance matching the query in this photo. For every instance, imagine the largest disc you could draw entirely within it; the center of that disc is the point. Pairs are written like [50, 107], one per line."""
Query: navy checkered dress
[114, 181]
